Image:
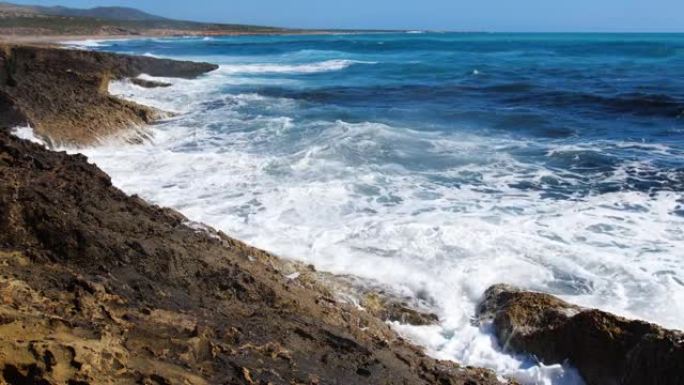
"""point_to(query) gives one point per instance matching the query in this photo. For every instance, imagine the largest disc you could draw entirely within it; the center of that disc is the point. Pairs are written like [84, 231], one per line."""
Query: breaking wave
[426, 180]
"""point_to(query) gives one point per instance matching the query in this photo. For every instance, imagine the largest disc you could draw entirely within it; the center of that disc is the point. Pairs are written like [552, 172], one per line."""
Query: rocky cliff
[63, 94]
[97, 287]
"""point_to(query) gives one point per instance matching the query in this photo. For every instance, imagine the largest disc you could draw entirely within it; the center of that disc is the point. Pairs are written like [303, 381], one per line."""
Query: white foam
[84, 44]
[26, 132]
[481, 348]
[95, 43]
[324, 66]
[353, 199]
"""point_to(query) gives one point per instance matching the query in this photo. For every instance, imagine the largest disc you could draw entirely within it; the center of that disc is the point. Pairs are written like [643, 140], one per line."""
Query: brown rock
[101, 288]
[389, 308]
[63, 94]
[606, 349]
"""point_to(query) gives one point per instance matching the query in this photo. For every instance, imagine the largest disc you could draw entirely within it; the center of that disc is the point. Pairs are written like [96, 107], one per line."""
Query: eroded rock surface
[63, 94]
[606, 349]
[97, 287]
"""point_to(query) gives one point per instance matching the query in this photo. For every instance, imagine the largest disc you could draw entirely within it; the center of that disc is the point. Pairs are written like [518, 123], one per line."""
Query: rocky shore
[97, 287]
[63, 94]
[606, 349]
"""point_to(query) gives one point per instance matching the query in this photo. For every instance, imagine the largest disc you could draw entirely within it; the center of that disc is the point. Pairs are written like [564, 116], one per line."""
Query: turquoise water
[435, 165]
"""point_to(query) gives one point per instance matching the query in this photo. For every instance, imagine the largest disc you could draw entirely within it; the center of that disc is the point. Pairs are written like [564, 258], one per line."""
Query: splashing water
[435, 165]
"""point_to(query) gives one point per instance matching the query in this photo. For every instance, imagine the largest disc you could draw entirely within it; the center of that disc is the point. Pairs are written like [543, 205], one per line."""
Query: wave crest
[324, 66]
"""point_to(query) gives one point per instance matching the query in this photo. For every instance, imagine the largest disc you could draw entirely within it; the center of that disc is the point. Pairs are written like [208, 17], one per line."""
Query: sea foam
[432, 216]
[324, 66]
[438, 245]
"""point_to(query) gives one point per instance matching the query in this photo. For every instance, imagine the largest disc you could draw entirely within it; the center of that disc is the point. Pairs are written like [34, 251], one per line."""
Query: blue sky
[459, 15]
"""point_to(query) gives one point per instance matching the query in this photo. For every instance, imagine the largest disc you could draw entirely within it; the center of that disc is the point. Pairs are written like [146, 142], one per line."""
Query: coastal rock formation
[63, 94]
[606, 349]
[99, 288]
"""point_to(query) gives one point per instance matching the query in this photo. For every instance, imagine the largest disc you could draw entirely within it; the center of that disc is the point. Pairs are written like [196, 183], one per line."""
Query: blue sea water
[434, 164]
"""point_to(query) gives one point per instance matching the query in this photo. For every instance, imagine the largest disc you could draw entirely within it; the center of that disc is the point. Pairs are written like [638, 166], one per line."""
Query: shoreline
[58, 39]
[196, 305]
[270, 260]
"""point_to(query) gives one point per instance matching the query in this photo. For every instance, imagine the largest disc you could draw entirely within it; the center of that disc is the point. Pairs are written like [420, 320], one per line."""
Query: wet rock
[606, 349]
[149, 83]
[63, 94]
[377, 299]
[98, 287]
[389, 308]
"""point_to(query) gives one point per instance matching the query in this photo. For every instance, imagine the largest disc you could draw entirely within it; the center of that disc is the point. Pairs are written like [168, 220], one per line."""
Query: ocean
[434, 165]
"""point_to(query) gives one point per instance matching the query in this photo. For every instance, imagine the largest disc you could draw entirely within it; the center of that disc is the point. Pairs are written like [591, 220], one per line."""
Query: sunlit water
[435, 164]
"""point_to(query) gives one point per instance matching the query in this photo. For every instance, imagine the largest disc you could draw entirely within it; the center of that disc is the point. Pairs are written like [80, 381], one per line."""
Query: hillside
[20, 20]
[107, 13]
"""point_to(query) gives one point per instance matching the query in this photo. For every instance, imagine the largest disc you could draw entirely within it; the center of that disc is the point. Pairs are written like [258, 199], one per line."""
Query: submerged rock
[149, 83]
[606, 349]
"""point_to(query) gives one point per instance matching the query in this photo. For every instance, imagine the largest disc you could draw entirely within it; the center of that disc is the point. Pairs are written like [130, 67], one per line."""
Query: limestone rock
[63, 94]
[606, 349]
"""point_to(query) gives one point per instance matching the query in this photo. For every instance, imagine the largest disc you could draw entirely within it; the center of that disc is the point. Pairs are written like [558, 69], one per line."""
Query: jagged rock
[98, 287]
[63, 94]
[606, 349]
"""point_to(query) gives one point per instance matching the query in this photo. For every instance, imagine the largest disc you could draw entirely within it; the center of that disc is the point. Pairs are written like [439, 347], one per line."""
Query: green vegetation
[33, 20]
[87, 25]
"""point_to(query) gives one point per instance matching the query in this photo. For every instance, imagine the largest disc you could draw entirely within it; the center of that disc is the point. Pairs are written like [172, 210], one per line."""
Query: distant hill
[107, 13]
[7, 10]
[34, 20]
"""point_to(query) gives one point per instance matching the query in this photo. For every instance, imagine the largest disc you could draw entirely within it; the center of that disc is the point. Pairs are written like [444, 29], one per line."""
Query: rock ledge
[63, 94]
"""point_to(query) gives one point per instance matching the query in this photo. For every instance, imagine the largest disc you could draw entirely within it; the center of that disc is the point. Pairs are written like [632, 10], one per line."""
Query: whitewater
[433, 165]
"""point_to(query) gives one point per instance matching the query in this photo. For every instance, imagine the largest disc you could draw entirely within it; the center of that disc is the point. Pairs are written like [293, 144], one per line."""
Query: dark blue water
[435, 165]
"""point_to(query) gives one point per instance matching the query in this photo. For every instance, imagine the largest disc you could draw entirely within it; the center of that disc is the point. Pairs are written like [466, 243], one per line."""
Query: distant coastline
[48, 25]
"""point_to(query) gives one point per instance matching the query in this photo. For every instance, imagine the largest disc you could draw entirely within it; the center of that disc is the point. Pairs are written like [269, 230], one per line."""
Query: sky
[453, 15]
